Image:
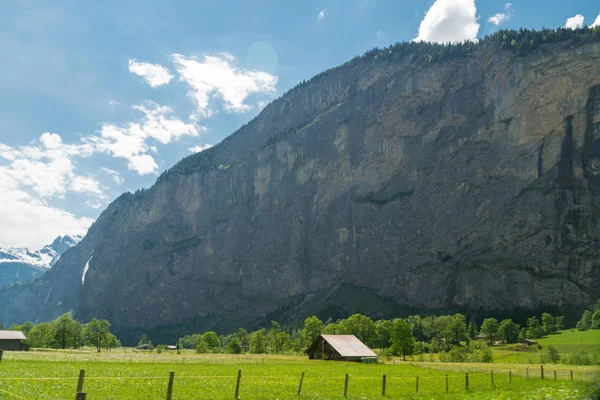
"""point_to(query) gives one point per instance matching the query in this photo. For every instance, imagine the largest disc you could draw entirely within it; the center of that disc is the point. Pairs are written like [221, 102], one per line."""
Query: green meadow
[567, 343]
[125, 374]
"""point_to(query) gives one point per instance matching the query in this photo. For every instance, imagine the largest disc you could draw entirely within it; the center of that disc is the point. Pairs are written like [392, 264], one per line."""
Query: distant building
[172, 347]
[12, 341]
[528, 342]
[340, 348]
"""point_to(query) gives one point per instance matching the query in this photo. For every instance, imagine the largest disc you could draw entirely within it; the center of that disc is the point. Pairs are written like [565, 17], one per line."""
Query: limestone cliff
[471, 183]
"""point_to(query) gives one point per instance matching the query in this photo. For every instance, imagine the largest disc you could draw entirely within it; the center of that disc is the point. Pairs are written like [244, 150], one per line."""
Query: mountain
[21, 264]
[417, 177]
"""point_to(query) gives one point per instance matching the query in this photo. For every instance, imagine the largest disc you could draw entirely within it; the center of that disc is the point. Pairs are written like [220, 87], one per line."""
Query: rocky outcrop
[468, 184]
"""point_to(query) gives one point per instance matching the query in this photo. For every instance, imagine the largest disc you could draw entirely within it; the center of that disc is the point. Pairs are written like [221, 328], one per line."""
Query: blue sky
[97, 98]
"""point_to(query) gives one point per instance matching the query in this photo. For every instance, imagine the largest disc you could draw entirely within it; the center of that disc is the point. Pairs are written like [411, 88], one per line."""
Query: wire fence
[294, 385]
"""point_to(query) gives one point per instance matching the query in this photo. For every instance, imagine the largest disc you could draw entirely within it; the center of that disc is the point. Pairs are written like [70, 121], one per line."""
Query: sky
[99, 98]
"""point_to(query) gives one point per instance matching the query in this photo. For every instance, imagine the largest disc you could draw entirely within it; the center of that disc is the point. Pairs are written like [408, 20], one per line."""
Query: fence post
[1, 351]
[346, 387]
[237, 385]
[492, 375]
[571, 374]
[300, 387]
[383, 387]
[554, 374]
[466, 380]
[446, 383]
[542, 371]
[417, 383]
[527, 369]
[509, 376]
[170, 387]
[80, 396]
[80, 381]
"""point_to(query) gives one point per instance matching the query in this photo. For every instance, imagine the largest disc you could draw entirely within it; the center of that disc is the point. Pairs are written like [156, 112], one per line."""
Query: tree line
[414, 335]
[67, 333]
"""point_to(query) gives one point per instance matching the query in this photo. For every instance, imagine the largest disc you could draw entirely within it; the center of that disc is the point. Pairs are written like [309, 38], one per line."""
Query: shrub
[579, 358]
[550, 356]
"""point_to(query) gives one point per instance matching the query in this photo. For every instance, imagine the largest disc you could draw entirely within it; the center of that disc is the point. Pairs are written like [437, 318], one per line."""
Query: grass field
[128, 375]
[566, 342]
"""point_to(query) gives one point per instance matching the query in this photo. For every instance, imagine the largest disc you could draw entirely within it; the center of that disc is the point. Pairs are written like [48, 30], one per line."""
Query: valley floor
[126, 374]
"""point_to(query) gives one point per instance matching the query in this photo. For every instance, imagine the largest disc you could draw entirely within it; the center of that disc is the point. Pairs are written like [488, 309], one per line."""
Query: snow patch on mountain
[44, 258]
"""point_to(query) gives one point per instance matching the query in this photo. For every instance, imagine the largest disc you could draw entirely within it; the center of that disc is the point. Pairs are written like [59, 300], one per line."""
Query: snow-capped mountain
[20, 264]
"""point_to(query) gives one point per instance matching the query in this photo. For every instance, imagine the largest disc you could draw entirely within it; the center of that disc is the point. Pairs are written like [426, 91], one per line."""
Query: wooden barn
[339, 347]
[12, 341]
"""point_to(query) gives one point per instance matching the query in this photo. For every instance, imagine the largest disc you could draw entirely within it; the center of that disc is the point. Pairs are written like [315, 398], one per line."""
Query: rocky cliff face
[468, 184]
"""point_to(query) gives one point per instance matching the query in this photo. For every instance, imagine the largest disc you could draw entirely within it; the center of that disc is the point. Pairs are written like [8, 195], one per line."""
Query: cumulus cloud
[32, 222]
[218, 76]
[130, 141]
[33, 175]
[575, 22]
[449, 21]
[596, 22]
[85, 184]
[154, 74]
[321, 15]
[500, 18]
[116, 177]
[198, 149]
[46, 168]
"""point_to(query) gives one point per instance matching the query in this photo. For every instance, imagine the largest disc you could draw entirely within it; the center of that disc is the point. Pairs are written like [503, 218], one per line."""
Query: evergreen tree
[586, 321]
[595, 324]
[473, 328]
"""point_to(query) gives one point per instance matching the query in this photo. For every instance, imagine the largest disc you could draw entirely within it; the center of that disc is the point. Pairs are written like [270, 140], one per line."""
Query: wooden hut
[12, 341]
[340, 348]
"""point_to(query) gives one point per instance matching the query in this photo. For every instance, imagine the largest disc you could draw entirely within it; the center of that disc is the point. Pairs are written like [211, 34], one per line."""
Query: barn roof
[12, 335]
[348, 346]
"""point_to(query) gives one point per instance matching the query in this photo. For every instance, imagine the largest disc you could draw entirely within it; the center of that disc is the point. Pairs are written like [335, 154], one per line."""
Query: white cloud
[575, 22]
[85, 184]
[450, 21]
[500, 18]
[381, 35]
[154, 74]
[130, 141]
[32, 222]
[198, 149]
[34, 175]
[321, 15]
[113, 103]
[116, 177]
[46, 168]
[217, 75]
[596, 22]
